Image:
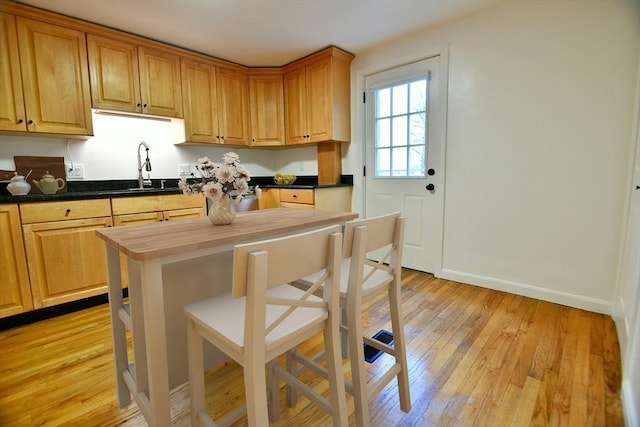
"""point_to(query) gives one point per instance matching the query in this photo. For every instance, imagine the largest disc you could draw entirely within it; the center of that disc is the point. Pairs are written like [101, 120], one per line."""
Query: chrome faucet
[147, 165]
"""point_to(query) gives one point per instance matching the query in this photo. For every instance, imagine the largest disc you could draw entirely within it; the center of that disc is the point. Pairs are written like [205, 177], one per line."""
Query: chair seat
[372, 285]
[224, 316]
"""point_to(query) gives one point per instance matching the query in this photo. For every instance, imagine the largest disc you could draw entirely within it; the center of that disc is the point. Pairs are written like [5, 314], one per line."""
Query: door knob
[431, 172]
[430, 187]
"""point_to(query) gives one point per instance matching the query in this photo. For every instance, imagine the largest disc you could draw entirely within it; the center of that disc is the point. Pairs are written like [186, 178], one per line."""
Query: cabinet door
[233, 100]
[319, 103]
[269, 199]
[15, 293]
[55, 76]
[200, 101]
[295, 99]
[160, 82]
[66, 260]
[113, 70]
[12, 115]
[266, 105]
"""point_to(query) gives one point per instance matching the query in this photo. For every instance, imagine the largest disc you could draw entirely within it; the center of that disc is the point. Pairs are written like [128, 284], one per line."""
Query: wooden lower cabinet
[49, 251]
[15, 293]
[66, 260]
[329, 198]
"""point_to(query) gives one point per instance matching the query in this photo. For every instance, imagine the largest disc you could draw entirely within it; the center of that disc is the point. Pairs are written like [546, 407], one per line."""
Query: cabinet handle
[30, 122]
[138, 104]
[144, 105]
[295, 196]
[67, 212]
[20, 121]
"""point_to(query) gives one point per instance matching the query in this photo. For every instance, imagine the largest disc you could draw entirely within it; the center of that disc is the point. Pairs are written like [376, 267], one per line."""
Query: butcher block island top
[167, 238]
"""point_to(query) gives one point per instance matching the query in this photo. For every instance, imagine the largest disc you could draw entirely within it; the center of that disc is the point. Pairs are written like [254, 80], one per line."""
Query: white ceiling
[266, 32]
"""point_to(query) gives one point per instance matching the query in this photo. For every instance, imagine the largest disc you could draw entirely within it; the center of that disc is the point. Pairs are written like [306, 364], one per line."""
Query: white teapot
[48, 184]
[18, 186]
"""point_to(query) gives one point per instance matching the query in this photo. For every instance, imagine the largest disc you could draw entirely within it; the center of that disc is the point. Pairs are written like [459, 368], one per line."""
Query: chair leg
[399, 345]
[358, 378]
[335, 374]
[274, 391]
[196, 371]
[292, 367]
[255, 390]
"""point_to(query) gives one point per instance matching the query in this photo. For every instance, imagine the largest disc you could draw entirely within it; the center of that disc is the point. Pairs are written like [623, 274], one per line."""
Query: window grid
[400, 130]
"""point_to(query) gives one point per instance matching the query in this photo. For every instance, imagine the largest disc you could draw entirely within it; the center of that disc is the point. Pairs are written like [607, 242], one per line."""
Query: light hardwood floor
[477, 357]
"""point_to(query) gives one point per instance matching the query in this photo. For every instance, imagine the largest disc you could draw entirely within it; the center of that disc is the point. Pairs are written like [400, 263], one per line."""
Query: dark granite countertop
[82, 190]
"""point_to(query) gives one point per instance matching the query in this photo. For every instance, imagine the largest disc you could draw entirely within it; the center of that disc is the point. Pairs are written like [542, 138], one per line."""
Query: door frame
[359, 129]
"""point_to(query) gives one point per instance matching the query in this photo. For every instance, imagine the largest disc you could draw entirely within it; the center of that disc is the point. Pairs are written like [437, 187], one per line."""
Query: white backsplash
[112, 152]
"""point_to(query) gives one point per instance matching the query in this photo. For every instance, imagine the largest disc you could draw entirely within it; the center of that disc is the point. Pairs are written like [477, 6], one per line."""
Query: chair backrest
[383, 235]
[260, 266]
[385, 231]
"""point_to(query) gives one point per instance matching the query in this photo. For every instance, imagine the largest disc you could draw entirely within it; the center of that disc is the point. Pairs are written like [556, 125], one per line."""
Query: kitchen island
[169, 265]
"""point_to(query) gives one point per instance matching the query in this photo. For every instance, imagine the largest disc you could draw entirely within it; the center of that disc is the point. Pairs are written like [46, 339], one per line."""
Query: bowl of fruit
[284, 179]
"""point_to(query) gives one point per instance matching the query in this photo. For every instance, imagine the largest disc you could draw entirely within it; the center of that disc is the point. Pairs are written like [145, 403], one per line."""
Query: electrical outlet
[184, 169]
[75, 171]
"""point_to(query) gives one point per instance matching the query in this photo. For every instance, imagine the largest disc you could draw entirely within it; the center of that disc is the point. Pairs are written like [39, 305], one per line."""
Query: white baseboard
[564, 298]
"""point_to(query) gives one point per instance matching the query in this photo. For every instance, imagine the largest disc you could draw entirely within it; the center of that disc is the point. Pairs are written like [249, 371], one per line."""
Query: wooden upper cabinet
[199, 100]
[136, 79]
[295, 104]
[317, 98]
[266, 107]
[12, 115]
[233, 106]
[215, 103]
[113, 68]
[160, 82]
[55, 78]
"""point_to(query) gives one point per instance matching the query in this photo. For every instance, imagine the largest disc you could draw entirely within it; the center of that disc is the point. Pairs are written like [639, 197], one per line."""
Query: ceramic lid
[17, 177]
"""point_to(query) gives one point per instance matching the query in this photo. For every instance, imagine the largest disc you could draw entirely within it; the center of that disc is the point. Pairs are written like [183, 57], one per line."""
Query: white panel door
[405, 158]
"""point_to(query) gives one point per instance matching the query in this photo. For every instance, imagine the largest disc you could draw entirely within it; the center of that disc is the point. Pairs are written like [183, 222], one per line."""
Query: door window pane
[399, 131]
[400, 100]
[383, 162]
[383, 133]
[399, 160]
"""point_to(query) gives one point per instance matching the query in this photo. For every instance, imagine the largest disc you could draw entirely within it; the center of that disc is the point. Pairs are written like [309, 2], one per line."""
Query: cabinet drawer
[293, 195]
[130, 205]
[60, 211]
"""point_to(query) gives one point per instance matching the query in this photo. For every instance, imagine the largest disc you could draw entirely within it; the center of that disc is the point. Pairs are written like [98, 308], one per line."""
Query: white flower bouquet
[219, 180]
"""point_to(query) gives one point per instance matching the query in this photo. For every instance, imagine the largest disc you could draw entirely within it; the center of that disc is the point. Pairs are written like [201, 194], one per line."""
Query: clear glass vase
[222, 211]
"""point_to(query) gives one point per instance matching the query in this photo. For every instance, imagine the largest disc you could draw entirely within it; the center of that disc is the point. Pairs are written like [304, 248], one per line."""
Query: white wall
[540, 104]
[112, 152]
